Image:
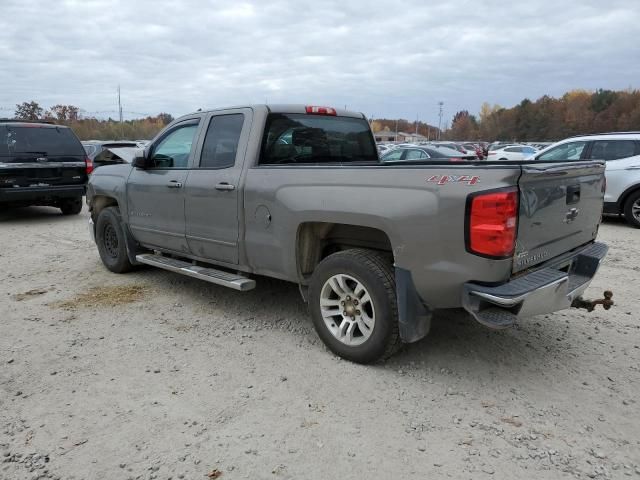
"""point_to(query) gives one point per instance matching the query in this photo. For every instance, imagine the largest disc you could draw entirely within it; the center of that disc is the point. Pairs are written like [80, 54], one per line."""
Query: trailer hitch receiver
[590, 305]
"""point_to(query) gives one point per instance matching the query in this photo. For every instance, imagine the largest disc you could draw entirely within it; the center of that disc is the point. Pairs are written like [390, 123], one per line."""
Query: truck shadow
[31, 215]
[455, 340]
[615, 220]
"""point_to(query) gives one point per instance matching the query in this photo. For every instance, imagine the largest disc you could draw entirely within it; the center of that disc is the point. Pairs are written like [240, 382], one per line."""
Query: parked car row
[621, 151]
[45, 164]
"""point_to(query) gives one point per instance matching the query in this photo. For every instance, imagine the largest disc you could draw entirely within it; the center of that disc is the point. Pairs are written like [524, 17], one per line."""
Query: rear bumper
[40, 194]
[547, 290]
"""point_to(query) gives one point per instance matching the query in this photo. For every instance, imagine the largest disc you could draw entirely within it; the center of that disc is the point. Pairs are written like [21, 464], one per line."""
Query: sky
[387, 59]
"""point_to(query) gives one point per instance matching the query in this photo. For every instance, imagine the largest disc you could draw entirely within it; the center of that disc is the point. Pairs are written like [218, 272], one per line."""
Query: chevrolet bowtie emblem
[571, 215]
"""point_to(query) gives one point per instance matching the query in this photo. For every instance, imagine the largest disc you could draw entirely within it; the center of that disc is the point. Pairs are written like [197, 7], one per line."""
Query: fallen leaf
[18, 297]
[512, 421]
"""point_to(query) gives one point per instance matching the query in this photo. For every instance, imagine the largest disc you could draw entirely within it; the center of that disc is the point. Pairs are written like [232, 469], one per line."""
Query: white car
[512, 152]
[621, 151]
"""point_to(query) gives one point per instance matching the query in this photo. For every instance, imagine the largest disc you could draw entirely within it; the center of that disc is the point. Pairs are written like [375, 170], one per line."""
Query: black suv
[42, 164]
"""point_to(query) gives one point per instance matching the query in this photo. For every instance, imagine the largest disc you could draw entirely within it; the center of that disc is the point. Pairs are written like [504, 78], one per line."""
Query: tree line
[576, 112]
[90, 128]
[546, 119]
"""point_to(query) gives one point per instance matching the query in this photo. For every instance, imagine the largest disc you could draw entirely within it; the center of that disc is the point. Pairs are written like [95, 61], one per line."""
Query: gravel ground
[154, 375]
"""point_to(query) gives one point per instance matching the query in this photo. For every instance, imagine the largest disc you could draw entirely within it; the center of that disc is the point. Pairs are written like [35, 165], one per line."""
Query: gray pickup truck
[298, 193]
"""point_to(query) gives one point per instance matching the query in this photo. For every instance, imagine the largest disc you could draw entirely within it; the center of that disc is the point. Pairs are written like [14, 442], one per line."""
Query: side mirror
[140, 160]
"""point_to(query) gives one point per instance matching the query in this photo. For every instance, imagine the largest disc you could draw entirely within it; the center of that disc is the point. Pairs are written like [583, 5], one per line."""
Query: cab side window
[416, 155]
[174, 149]
[566, 151]
[221, 143]
[612, 149]
[394, 155]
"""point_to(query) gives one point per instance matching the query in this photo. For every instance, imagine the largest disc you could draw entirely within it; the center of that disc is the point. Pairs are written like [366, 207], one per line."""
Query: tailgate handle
[573, 194]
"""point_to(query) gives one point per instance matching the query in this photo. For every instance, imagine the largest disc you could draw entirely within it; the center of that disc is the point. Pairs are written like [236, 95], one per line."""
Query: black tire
[375, 272]
[71, 206]
[111, 241]
[628, 209]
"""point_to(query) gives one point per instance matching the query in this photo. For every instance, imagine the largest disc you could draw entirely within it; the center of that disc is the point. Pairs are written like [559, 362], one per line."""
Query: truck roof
[282, 108]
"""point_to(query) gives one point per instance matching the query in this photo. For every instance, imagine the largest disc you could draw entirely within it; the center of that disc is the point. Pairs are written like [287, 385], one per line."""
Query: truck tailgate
[560, 209]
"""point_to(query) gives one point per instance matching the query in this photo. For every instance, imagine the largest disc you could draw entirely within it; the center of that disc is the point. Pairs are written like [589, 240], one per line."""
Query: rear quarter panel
[422, 216]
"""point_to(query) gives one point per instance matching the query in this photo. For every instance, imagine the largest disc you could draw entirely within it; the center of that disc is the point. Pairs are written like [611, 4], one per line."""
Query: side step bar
[211, 275]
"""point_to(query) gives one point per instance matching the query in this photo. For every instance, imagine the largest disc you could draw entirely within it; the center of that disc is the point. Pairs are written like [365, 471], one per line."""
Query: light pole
[440, 105]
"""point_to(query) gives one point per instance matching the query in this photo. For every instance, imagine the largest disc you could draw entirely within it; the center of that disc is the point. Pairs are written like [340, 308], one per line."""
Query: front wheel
[352, 298]
[632, 209]
[111, 241]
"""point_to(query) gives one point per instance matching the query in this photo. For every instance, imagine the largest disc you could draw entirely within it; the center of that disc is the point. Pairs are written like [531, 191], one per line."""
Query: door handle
[174, 184]
[225, 186]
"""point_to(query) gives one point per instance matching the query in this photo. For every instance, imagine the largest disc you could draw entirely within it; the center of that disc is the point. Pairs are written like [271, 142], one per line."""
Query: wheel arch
[100, 202]
[626, 194]
[317, 240]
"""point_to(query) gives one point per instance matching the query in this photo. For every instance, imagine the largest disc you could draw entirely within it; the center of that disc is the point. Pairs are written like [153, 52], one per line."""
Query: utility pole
[416, 127]
[120, 114]
[119, 105]
[440, 105]
[395, 139]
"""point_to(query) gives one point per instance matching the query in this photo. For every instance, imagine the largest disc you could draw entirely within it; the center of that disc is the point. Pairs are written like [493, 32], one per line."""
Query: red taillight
[88, 164]
[492, 221]
[321, 110]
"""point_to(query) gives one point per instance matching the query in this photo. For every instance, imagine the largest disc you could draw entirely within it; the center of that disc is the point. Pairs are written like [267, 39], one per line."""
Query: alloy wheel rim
[635, 209]
[347, 309]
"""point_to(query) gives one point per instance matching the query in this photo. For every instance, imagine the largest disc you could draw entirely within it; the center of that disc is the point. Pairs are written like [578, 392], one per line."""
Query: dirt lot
[154, 375]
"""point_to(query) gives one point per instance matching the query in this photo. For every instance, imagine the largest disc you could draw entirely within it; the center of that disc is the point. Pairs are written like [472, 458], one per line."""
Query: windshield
[316, 139]
[45, 141]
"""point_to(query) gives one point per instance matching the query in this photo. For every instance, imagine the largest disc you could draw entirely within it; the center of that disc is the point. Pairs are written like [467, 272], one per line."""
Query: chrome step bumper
[543, 291]
[211, 275]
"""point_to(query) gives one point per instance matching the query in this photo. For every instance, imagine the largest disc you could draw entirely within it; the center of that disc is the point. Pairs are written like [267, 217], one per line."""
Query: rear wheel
[111, 241]
[352, 297]
[71, 206]
[632, 209]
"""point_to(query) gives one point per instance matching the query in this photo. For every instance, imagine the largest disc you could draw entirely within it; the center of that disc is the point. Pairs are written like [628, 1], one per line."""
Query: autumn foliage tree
[577, 112]
[28, 111]
[463, 127]
[92, 128]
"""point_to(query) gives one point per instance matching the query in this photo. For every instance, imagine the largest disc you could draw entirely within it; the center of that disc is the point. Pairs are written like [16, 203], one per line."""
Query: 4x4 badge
[444, 179]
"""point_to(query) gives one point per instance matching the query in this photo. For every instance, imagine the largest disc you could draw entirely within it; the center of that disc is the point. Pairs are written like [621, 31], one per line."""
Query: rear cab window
[292, 138]
[18, 140]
